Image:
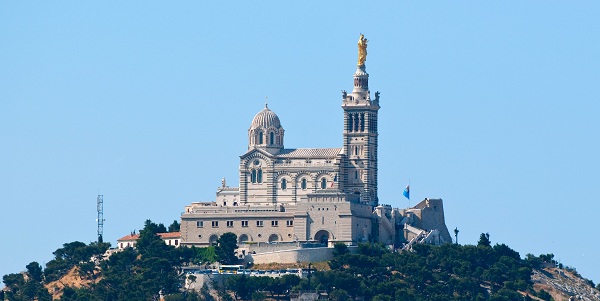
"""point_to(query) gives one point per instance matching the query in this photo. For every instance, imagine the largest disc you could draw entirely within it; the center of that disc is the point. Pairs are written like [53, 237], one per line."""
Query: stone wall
[292, 256]
[267, 247]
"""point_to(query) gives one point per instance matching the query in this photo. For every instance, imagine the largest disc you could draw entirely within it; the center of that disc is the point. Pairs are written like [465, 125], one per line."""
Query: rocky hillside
[563, 284]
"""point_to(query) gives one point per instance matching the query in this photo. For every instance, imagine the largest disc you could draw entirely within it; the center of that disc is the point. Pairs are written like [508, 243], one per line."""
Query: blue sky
[491, 106]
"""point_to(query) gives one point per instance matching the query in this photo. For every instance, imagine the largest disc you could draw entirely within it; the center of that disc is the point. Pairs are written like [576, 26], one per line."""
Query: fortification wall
[292, 256]
[262, 247]
[432, 217]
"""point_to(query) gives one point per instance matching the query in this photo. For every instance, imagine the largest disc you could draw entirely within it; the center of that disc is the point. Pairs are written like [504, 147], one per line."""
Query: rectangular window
[176, 242]
[289, 223]
[244, 223]
[215, 224]
[199, 224]
[259, 223]
[229, 224]
[274, 223]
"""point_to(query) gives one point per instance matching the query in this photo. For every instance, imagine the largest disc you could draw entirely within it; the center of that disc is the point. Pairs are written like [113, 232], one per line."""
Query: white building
[129, 241]
[323, 195]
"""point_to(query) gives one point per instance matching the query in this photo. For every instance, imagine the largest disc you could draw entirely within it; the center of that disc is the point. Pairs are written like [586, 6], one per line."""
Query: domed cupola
[266, 131]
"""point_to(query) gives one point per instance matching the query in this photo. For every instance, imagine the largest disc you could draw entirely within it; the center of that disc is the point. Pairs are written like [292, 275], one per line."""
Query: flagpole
[406, 193]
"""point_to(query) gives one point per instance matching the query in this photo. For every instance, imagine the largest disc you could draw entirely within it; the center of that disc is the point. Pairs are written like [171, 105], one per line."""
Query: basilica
[313, 195]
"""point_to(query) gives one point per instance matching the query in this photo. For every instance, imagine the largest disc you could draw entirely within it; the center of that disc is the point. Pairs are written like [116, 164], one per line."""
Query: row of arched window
[356, 122]
[260, 138]
[303, 183]
[256, 176]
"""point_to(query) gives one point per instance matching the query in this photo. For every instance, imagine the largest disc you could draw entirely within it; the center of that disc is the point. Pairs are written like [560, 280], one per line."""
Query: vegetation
[226, 246]
[373, 272]
[133, 274]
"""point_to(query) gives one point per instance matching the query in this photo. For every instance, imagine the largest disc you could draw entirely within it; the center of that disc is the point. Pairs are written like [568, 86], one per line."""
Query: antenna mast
[100, 219]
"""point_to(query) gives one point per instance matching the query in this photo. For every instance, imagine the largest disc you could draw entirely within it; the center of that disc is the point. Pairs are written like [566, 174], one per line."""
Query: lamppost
[309, 264]
[456, 234]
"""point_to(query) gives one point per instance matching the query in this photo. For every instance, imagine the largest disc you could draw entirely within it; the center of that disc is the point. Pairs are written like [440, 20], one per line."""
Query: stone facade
[311, 195]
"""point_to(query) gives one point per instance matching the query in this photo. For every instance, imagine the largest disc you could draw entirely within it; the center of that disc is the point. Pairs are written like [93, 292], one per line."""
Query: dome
[265, 119]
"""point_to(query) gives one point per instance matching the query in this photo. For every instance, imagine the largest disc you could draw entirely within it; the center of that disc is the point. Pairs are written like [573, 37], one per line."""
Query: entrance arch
[322, 236]
[243, 238]
[273, 238]
[213, 240]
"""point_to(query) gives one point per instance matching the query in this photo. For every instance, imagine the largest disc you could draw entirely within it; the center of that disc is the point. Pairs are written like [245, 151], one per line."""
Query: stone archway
[273, 238]
[243, 238]
[323, 236]
[213, 240]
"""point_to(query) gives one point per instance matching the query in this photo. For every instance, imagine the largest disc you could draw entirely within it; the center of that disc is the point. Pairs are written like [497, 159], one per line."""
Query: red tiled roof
[170, 235]
[167, 235]
[129, 237]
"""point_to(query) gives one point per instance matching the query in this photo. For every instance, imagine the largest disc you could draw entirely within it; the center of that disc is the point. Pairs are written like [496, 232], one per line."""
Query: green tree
[34, 271]
[258, 296]
[174, 227]
[340, 249]
[339, 295]
[484, 240]
[382, 297]
[226, 245]
[86, 270]
[544, 295]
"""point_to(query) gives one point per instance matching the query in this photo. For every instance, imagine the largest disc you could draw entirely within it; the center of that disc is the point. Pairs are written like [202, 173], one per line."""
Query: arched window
[303, 184]
[323, 183]
[350, 124]
[259, 176]
[272, 138]
[362, 122]
[253, 176]
[283, 184]
[260, 138]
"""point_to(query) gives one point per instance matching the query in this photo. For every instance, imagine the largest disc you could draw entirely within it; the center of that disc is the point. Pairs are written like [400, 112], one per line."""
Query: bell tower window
[362, 122]
[303, 184]
[259, 176]
[323, 183]
[350, 123]
[253, 176]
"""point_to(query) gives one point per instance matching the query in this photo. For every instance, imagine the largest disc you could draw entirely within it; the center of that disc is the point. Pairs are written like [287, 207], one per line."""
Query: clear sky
[492, 106]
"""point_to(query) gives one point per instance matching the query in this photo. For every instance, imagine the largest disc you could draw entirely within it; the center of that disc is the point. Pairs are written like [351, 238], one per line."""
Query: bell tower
[360, 134]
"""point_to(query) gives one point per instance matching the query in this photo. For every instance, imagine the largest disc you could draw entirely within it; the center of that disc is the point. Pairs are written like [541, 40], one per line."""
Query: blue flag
[406, 192]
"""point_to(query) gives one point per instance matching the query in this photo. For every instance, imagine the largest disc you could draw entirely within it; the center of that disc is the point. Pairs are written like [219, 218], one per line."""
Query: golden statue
[362, 50]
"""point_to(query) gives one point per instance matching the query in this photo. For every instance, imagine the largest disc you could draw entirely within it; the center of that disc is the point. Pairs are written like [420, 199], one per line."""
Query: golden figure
[362, 50]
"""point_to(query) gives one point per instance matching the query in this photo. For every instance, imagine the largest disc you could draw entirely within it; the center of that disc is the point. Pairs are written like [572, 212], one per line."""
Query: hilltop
[373, 272]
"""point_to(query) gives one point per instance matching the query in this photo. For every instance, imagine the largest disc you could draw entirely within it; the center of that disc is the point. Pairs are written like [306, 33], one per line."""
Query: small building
[129, 241]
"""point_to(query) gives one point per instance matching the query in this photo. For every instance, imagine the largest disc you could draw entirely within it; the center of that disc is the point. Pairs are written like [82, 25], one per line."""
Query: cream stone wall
[292, 256]
[264, 224]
